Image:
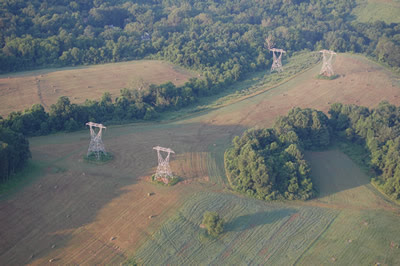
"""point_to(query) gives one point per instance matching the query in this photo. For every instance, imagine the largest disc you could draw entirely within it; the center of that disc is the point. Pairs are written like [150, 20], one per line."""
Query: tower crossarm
[158, 148]
[277, 50]
[91, 124]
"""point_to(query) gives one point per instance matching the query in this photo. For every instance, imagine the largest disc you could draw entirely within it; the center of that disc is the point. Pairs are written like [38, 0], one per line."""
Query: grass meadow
[255, 233]
[19, 91]
[374, 10]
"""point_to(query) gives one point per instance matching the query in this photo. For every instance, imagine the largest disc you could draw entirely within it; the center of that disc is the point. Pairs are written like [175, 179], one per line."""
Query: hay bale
[151, 216]
[113, 238]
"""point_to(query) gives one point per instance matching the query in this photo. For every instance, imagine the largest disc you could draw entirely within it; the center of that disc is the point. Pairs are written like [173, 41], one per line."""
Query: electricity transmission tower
[277, 64]
[96, 145]
[327, 69]
[163, 169]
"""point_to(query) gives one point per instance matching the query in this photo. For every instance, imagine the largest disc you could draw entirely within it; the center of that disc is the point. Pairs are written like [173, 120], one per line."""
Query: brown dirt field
[72, 216]
[22, 90]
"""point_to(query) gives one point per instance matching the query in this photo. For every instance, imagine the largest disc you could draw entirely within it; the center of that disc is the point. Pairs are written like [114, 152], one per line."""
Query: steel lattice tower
[327, 69]
[277, 64]
[96, 145]
[163, 169]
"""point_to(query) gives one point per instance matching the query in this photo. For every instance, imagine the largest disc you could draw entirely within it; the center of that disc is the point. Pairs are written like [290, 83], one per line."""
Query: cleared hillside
[22, 90]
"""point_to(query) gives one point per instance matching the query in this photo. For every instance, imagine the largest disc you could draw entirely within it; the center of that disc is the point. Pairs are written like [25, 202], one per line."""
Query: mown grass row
[255, 233]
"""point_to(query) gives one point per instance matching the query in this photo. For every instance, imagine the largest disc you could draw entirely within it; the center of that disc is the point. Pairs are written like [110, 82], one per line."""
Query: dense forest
[224, 39]
[269, 163]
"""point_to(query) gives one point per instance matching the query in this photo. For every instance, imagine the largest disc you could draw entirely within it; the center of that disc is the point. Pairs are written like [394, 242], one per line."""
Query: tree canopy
[14, 152]
[213, 223]
[219, 37]
[269, 163]
[378, 129]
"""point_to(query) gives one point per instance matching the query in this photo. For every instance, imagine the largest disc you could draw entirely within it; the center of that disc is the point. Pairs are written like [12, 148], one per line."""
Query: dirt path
[39, 93]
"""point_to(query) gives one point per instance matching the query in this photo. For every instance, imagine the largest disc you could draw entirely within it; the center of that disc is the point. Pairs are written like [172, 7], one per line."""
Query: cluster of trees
[269, 163]
[379, 130]
[225, 39]
[14, 152]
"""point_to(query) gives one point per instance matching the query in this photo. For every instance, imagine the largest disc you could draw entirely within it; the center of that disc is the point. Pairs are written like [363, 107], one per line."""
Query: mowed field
[79, 213]
[22, 90]
[374, 10]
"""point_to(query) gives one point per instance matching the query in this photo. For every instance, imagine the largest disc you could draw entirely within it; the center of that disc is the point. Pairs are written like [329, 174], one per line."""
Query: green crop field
[366, 230]
[255, 233]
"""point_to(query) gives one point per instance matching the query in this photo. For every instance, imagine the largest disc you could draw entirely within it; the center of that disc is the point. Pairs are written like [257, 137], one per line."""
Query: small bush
[328, 78]
[213, 223]
[103, 158]
[171, 181]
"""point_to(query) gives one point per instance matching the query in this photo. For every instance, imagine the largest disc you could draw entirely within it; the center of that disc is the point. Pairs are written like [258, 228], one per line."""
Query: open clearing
[22, 90]
[78, 213]
[374, 10]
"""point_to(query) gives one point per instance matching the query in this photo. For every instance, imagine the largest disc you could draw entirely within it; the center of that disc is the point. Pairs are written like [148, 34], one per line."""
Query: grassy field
[350, 223]
[22, 90]
[80, 213]
[255, 233]
[366, 230]
[374, 10]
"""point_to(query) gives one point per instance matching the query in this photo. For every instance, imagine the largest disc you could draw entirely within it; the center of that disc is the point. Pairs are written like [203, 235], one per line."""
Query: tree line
[378, 130]
[14, 152]
[131, 105]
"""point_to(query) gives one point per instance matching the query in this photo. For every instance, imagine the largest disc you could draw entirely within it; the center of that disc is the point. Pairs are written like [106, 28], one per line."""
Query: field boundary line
[315, 240]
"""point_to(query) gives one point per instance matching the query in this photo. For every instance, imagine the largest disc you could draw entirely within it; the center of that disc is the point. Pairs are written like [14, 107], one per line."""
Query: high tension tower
[96, 145]
[163, 170]
[327, 69]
